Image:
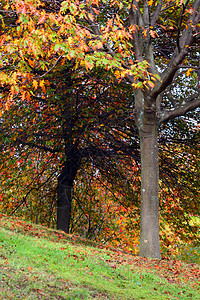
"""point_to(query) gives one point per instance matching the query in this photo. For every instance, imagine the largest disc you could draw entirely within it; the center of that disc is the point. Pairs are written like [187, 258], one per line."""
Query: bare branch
[180, 23]
[156, 13]
[186, 40]
[135, 17]
[189, 104]
[147, 42]
[35, 145]
[49, 70]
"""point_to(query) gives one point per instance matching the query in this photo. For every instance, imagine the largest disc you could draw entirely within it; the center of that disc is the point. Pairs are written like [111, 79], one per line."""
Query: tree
[72, 121]
[151, 45]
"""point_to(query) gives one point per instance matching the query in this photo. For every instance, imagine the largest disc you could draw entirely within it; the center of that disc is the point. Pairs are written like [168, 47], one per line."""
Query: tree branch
[189, 104]
[34, 145]
[180, 23]
[135, 17]
[185, 42]
[156, 13]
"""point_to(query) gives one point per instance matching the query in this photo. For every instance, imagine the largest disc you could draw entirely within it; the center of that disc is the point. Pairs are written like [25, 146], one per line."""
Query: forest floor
[41, 263]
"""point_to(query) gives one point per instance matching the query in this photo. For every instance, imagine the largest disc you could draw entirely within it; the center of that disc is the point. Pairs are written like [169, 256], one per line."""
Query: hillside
[40, 263]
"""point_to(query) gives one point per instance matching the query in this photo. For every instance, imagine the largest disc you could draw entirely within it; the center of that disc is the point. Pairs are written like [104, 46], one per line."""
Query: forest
[99, 120]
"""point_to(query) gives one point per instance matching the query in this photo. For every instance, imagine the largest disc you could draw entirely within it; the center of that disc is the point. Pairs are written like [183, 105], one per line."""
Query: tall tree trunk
[64, 189]
[149, 226]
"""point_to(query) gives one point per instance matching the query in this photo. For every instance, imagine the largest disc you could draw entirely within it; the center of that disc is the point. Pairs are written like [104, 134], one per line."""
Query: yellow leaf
[42, 83]
[70, 40]
[150, 2]
[189, 72]
[35, 84]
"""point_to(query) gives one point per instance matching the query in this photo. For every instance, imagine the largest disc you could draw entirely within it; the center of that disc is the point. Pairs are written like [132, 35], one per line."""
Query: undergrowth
[40, 263]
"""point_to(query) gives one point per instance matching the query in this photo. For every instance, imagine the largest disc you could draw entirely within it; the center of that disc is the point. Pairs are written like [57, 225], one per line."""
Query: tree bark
[149, 224]
[64, 199]
[64, 189]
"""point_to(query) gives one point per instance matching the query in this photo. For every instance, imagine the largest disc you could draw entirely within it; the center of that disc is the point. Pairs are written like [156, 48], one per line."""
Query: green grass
[37, 263]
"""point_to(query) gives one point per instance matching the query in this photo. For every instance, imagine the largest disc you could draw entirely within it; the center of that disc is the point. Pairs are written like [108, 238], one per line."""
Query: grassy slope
[40, 263]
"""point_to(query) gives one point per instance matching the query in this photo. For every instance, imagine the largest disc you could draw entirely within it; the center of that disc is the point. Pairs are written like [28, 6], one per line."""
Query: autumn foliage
[83, 84]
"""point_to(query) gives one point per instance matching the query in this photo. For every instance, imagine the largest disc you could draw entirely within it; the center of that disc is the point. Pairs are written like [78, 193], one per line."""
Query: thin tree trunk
[64, 189]
[149, 226]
